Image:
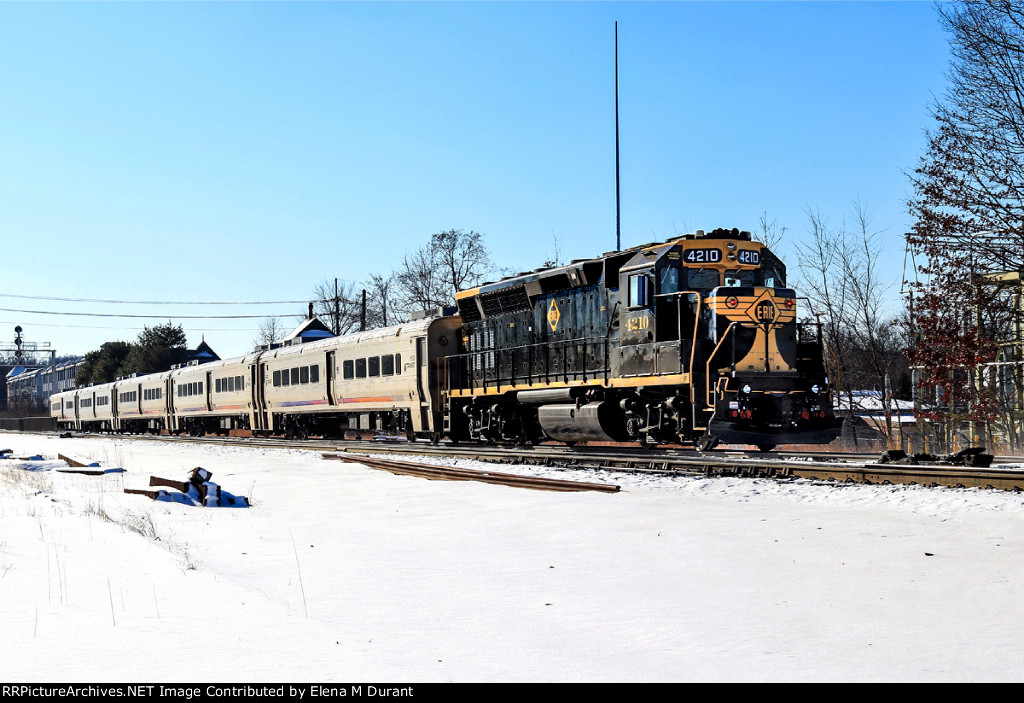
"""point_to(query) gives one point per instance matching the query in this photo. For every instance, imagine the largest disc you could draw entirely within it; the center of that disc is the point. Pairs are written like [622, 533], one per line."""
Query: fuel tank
[590, 422]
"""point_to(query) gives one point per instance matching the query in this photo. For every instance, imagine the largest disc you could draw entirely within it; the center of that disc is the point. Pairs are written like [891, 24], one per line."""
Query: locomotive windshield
[772, 278]
[701, 279]
[735, 279]
[772, 273]
[668, 280]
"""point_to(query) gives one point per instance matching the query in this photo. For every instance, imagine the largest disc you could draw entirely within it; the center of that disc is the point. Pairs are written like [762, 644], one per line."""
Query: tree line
[964, 309]
[156, 349]
[956, 346]
[427, 278]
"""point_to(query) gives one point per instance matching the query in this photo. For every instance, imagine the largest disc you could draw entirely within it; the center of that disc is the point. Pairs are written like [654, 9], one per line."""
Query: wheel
[765, 448]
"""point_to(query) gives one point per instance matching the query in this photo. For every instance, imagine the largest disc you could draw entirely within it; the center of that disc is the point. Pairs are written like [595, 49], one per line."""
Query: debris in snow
[972, 456]
[198, 490]
[91, 472]
[79, 466]
[72, 461]
[8, 454]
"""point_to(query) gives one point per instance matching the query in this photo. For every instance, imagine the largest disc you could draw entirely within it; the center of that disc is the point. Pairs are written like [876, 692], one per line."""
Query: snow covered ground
[342, 573]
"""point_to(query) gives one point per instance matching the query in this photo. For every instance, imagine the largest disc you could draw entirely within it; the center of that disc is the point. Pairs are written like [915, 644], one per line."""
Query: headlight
[815, 388]
[746, 388]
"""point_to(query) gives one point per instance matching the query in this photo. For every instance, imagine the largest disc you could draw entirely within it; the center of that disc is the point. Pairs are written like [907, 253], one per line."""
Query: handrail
[707, 365]
[835, 359]
[479, 377]
[693, 338]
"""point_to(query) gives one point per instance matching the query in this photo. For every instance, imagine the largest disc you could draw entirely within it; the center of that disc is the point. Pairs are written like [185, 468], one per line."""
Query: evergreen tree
[157, 349]
[102, 365]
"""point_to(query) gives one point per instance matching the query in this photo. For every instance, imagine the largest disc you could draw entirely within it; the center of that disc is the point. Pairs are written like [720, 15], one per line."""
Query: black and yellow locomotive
[691, 341]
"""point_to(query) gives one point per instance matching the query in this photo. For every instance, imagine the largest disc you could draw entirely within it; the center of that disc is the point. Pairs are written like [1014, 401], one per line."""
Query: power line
[154, 302]
[122, 327]
[173, 317]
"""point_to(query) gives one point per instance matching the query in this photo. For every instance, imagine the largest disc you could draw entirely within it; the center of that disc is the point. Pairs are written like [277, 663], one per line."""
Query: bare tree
[823, 280]
[419, 281]
[555, 257]
[968, 205]
[431, 276]
[839, 274]
[339, 303]
[463, 259]
[875, 333]
[383, 306]
[769, 232]
[271, 330]
[971, 180]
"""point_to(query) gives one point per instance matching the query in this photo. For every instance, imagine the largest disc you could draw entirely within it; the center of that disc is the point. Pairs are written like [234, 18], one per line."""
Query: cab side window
[639, 290]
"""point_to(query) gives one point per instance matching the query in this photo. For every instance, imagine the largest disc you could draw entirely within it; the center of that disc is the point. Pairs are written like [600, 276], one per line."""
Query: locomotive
[690, 341]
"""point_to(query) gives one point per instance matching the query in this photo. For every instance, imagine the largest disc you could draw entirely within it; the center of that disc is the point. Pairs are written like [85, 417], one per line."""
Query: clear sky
[246, 151]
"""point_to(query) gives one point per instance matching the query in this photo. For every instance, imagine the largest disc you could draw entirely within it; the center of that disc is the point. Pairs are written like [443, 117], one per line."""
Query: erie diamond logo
[553, 315]
[763, 311]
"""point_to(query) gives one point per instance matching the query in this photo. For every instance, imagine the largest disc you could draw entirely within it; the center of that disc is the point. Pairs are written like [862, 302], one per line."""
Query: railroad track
[818, 466]
[447, 473]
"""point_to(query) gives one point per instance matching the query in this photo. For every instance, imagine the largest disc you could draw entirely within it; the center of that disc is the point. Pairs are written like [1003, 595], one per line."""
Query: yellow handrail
[707, 366]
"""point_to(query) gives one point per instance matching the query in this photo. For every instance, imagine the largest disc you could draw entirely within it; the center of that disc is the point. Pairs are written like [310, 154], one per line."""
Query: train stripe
[374, 399]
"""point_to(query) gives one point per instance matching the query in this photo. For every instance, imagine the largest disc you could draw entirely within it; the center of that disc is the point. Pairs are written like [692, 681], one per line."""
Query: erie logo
[553, 315]
[765, 311]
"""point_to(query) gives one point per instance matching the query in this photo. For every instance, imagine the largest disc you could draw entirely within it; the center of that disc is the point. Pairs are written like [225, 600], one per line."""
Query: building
[29, 387]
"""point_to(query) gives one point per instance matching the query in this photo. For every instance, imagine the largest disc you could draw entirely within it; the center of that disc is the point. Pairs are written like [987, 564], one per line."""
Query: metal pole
[362, 313]
[337, 309]
[618, 218]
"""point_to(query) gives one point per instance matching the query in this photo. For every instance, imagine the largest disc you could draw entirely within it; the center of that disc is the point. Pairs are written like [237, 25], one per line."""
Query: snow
[340, 573]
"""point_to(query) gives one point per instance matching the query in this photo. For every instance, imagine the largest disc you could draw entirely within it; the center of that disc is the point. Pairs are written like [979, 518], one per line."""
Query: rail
[449, 473]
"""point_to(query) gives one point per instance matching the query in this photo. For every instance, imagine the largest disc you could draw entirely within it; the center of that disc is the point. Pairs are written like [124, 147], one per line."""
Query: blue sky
[247, 151]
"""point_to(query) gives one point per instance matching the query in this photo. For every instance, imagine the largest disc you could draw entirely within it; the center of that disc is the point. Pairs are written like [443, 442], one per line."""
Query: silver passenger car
[386, 379]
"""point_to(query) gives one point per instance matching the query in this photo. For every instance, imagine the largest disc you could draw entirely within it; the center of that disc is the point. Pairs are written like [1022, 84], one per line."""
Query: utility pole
[362, 313]
[337, 309]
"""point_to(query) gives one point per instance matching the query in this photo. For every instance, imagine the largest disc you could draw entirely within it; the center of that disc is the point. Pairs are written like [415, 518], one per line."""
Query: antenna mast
[618, 217]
